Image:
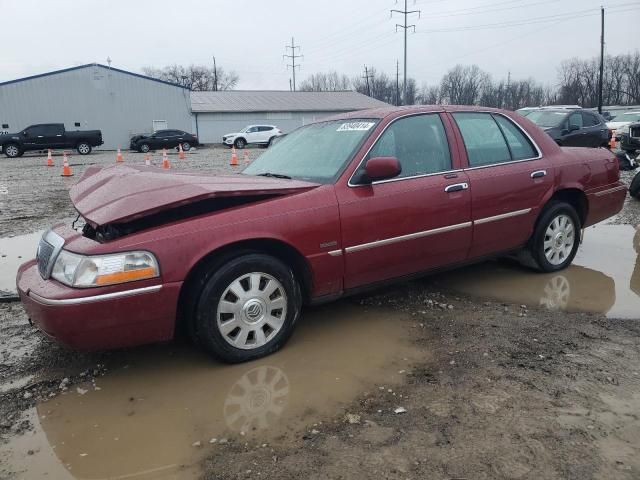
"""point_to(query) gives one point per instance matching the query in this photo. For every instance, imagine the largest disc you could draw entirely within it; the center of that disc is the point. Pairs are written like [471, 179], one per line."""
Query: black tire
[240, 143]
[83, 148]
[186, 146]
[634, 188]
[144, 148]
[534, 255]
[270, 141]
[214, 284]
[12, 150]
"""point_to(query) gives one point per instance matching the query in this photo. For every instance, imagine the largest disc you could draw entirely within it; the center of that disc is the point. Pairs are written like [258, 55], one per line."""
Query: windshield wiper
[274, 175]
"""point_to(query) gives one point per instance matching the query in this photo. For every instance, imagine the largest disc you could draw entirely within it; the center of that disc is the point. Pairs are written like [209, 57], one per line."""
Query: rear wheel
[186, 146]
[247, 308]
[240, 143]
[12, 150]
[634, 188]
[84, 148]
[555, 240]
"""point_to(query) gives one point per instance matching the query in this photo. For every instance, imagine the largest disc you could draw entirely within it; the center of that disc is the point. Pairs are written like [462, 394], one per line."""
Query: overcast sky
[526, 37]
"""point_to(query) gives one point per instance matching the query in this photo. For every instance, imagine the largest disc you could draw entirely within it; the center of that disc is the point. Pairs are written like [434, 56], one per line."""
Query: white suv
[253, 134]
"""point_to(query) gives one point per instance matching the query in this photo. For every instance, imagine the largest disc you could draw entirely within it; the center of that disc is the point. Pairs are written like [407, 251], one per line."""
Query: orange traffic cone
[180, 152]
[49, 160]
[66, 169]
[119, 158]
[147, 160]
[234, 157]
[246, 157]
[612, 142]
[165, 160]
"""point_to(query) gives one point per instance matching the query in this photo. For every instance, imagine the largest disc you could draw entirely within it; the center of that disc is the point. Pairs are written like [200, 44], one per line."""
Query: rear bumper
[605, 202]
[102, 319]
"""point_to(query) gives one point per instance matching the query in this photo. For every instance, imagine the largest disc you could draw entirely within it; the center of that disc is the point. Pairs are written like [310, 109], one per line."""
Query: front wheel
[144, 148]
[84, 148]
[240, 143]
[555, 240]
[247, 308]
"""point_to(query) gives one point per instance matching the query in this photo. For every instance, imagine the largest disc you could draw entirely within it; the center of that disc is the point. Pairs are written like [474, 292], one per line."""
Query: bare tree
[325, 82]
[195, 77]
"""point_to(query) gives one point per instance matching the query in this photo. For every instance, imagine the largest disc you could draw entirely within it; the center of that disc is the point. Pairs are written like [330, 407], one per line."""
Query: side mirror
[382, 168]
[24, 134]
[573, 128]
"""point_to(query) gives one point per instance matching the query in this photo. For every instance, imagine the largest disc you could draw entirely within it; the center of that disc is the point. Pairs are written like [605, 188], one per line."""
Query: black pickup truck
[49, 135]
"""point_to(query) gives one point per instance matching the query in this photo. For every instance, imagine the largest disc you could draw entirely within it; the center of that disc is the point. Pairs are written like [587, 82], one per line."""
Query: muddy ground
[482, 389]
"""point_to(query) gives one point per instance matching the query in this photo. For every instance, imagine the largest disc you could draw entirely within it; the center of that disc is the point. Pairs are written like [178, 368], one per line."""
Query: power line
[293, 57]
[405, 27]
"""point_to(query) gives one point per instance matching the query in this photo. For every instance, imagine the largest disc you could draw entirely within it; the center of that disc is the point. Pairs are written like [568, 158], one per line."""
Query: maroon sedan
[332, 208]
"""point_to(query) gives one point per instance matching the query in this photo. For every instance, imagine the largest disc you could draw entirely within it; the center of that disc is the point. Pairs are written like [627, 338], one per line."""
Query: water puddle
[605, 277]
[14, 251]
[144, 419]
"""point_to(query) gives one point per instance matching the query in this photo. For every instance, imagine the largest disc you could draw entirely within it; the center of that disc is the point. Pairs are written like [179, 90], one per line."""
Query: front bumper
[102, 318]
[228, 141]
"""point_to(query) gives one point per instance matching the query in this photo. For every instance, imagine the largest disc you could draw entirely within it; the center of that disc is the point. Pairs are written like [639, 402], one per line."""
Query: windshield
[546, 118]
[627, 117]
[317, 152]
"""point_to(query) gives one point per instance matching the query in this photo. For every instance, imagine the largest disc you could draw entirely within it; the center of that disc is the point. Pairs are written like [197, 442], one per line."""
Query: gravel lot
[492, 390]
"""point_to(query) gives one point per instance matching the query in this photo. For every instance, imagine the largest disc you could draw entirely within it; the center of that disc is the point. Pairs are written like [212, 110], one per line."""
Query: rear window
[520, 146]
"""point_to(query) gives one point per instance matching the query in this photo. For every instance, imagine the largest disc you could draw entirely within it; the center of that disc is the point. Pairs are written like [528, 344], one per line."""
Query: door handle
[40, 136]
[456, 187]
[538, 174]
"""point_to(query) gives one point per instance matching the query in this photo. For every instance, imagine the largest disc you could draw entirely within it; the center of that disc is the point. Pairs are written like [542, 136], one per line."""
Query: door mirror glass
[382, 168]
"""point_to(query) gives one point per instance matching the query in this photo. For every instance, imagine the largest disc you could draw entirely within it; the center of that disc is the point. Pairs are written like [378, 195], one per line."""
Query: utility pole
[215, 75]
[293, 57]
[397, 82]
[405, 27]
[368, 73]
[601, 60]
[507, 96]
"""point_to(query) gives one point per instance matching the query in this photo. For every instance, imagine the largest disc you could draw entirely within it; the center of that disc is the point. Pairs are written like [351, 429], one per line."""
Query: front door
[508, 180]
[577, 135]
[414, 222]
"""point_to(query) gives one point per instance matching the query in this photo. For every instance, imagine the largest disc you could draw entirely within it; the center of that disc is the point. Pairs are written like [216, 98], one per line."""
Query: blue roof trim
[64, 70]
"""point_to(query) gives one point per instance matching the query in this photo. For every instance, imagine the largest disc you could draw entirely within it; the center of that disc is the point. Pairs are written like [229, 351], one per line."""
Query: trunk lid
[120, 194]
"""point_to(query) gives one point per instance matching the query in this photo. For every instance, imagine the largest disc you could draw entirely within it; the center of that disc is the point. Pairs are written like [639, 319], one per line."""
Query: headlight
[96, 271]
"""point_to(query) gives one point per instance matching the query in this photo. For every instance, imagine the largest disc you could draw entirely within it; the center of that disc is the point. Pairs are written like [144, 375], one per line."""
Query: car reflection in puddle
[605, 277]
[143, 420]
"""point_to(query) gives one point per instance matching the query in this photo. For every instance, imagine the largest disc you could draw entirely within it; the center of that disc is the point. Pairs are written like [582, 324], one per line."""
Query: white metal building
[94, 96]
[218, 113]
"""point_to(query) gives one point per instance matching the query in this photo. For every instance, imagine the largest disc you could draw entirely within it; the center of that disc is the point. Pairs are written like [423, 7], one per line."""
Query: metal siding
[212, 126]
[116, 103]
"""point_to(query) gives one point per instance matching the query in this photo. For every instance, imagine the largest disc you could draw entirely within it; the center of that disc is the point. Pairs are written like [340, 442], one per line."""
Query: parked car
[252, 135]
[572, 127]
[163, 139]
[332, 209]
[49, 135]
[620, 123]
[630, 137]
[634, 188]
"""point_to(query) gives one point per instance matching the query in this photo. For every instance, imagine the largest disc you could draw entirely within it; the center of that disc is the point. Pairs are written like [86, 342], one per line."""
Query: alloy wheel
[559, 239]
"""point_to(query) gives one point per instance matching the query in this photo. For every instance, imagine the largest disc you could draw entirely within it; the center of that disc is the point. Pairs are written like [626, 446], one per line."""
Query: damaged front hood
[120, 194]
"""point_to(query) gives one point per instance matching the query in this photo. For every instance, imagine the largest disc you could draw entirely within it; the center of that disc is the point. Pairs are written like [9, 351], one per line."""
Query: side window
[264, 129]
[576, 119]
[589, 120]
[37, 131]
[418, 142]
[520, 146]
[252, 130]
[52, 130]
[483, 139]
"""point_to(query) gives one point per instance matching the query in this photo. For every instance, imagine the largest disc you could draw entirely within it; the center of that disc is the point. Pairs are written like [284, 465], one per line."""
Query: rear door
[508, 180]
[414, 222]
[576, 134]
[54, 137]
[594, 129]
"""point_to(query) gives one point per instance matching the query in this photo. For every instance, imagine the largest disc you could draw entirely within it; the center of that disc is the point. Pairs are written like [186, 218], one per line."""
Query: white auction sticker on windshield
[355, 126]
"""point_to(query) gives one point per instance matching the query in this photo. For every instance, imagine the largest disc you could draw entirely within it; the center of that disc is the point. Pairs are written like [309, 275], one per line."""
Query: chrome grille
[48, 249]
[45, 250]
